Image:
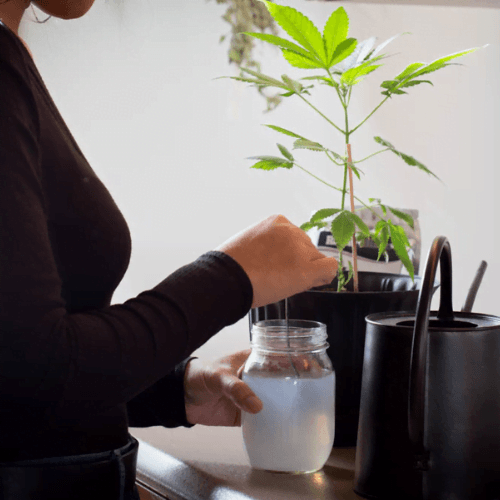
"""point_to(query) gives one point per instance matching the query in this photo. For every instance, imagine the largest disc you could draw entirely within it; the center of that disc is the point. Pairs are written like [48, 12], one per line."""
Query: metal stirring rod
[288, 340]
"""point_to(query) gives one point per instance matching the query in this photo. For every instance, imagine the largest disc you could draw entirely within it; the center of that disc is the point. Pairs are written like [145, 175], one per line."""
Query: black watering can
[429, 426]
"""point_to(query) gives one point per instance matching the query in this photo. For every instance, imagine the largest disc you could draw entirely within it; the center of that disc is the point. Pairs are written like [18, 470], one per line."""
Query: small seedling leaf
[285, 152]
[307, 144]
[403, 216]
[270, 162]
[285, 131]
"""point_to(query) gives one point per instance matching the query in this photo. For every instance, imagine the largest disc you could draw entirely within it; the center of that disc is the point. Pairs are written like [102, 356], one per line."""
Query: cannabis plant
[344, 62]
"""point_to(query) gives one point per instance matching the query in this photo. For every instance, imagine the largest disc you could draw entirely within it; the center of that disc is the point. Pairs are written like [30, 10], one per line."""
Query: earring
[36, 17]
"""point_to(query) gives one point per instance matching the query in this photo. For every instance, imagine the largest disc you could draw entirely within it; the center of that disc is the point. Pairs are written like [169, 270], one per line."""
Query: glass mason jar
[290, 372]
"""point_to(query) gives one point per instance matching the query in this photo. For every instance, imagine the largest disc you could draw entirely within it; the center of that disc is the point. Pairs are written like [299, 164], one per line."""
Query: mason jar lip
[319, 348]
[297, 328]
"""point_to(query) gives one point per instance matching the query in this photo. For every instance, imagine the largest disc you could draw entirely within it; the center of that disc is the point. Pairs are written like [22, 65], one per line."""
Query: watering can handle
[440, 252]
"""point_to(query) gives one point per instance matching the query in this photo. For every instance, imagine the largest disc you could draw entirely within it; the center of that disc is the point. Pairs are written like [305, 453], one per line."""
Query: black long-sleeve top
[71, 364]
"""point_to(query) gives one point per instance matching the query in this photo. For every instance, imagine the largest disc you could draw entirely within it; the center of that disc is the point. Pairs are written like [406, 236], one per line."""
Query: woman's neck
[11, 14]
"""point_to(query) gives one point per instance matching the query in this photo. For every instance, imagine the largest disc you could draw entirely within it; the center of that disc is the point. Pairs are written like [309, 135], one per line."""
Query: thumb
[325, 270]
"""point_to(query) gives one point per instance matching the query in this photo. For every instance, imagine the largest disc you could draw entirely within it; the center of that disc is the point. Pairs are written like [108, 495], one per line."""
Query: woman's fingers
[279, 259]
[235, 389]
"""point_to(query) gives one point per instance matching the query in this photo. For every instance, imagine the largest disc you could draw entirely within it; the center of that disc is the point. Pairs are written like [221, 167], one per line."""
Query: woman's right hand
[279, 259]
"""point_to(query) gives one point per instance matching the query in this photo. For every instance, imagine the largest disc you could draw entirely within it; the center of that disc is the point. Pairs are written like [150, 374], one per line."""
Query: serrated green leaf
[441, 62]
[356, 171]
[415, 70]
[300, 28]
[381, 223]
[409, 70]
[353, 75]
[307, 226]
[383, 142]
[387, 84]
[262, 79]
[324, 213]
[285, 152]
[299, 61]
[409, 160]
[403, 216]
[383, 239]
[335, 31]
[400, 244]
[270, 162]
[351, 271]
[284, 131]
[342, 228]
[307, 144]
[361, 225]
[344, 49]
[339, 157]
[292, 84]
[384, 209]
[282, 43]
[412, 83]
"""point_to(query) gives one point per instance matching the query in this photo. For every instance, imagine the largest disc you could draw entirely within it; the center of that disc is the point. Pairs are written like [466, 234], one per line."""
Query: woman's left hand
[214, 393]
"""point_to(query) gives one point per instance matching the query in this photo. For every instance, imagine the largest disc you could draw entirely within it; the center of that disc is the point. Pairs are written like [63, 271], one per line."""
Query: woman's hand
[214, 393]
[280, 260]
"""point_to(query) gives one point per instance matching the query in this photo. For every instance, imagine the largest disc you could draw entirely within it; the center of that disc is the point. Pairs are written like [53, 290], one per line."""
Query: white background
[136, 82]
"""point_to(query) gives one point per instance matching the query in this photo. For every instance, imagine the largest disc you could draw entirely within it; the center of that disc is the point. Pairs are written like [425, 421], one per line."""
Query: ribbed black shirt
[75, 371]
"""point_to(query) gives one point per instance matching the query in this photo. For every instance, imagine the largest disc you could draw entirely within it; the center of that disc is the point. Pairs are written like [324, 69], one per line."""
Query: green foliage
[344, 63]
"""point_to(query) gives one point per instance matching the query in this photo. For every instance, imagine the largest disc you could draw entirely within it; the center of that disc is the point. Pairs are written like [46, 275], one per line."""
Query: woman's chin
[64, 9]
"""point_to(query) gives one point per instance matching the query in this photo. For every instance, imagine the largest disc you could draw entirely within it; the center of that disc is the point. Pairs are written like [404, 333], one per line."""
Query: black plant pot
[344, 315]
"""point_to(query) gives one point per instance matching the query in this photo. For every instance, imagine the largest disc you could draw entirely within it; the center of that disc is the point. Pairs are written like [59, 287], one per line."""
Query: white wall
[135, 81]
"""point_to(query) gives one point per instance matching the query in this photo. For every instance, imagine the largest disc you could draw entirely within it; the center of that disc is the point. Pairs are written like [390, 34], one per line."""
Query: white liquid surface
[294, 431]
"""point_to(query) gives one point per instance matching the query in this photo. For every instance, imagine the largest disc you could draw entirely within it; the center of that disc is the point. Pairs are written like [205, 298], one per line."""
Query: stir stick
[351, 193]
[288, 340]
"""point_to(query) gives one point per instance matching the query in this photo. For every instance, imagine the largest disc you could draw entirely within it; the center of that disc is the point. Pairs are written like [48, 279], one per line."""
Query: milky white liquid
[295, 429]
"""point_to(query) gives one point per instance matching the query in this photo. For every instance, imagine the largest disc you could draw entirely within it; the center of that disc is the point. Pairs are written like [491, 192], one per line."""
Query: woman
[75, 371]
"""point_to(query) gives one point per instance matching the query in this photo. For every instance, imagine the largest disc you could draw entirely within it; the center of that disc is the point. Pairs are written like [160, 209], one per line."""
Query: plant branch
[373, 154]
[328, 154]
[317, 178]
[356, 128]
[320, 113]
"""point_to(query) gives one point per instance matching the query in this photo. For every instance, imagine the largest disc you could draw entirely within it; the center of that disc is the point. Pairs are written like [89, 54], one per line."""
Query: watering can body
[429, 428]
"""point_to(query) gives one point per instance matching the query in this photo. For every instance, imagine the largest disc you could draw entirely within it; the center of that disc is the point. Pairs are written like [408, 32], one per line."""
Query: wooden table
[210, 463]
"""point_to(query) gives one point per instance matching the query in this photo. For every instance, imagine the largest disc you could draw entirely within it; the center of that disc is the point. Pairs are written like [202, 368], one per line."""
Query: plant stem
[356, 128]
[320, 113]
